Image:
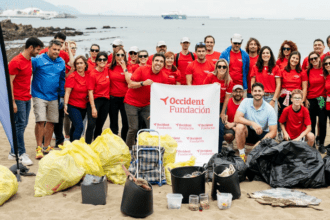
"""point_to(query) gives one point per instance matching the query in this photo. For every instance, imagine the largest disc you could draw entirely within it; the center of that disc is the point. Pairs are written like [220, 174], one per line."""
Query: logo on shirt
[296, 76]
[206, 71]
[107, 77]
[322, 75]
[122, 73]
[240, 60]
[170, 76]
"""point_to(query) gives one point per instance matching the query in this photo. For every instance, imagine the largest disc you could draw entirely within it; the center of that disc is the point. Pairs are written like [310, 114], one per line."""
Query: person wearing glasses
[161, 47]
[238, 61]
[94, 50]
[295, 121]
[141, 61]
[211, 55]
[197, 70]
[316, 94]
[327, 53]
[318, 46]
[221, 77]
[326, 73]
[252, 48]
[171, 70]
[286, 49]
[98, 85]
[266, 72]
[133, 54]
[118, 89]
[116, 43]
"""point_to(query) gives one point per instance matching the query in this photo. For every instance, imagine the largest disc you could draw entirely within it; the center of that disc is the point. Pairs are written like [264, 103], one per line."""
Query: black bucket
[228, 184]
[136, 202]
[187, 186]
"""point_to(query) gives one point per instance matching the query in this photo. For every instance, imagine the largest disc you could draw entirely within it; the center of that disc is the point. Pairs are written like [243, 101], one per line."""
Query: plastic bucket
[228, 184]
[224, 200]
[174, 200]
[187, 186]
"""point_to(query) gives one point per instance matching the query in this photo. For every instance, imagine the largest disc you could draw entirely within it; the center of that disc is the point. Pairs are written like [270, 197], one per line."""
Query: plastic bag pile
[8, 184]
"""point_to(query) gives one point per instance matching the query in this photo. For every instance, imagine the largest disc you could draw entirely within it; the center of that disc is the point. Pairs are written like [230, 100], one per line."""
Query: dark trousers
[58, 128]
[76, 116]
[315, 111]
[116, 106]
[221, 131]
[133, 114]
[95, 125]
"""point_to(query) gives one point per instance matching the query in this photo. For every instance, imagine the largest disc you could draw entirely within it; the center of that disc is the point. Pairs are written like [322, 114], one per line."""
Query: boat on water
[174, 15]
[34, 13]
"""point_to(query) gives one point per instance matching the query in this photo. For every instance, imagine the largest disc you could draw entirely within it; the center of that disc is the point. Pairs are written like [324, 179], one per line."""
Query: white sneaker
[11, 156]
[26, 161]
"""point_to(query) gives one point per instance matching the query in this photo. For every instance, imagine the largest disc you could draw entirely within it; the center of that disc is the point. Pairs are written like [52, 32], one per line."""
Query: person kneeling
[295, 120]
[256, 120]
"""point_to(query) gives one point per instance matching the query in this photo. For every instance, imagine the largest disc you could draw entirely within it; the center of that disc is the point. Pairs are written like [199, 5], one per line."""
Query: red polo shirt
[231, 110]
[199, 71]
[183, 62]
[173, 77]
[327, 90]
[293, 80]
[99, 82]
[79, 92]
[91, 64]
[253, 61]
[282, 63]
[118, 84]
[214, 57]
[224, 89]
[266, 78]
[236, 68]
[316, 84]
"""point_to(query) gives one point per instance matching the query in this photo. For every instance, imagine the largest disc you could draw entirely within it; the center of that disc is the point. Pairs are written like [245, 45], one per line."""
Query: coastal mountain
[43, 5]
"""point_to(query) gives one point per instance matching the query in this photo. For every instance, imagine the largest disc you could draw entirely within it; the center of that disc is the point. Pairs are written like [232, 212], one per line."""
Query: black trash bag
[226, 157]
[326, 161]
[287, 165]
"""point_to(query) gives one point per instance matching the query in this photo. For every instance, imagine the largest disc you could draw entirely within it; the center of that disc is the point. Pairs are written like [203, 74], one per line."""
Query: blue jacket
[246, 63]
[48, 77]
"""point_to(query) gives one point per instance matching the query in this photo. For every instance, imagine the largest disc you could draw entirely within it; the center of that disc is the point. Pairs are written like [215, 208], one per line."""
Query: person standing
[137, 99]
[326, 73]
[211, 55]
[286, 49]
[171, 70]
[327, 53]
[252, 48]
[161, 47]
[47, 85]
[93, 51]
[318, 47]
[197, 70]
[133, 53]
[238, 60]
[141, 61]
[116, 43]
[184, 58]
[20, 73]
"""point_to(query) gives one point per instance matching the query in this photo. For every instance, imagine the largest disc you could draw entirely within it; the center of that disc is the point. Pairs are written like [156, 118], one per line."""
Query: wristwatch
[141, 83]
[125, 70]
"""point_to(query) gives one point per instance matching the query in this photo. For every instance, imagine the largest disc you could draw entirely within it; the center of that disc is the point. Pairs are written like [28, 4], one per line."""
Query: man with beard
[20, 71]
[252, 48]
[256, 120]
[232, 106]
[327, 53]
[197, 70]
[318, 47]
[211, 55]
[160, 48]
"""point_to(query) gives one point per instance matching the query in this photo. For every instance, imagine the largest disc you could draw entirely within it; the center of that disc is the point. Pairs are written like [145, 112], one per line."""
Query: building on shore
[28, 12]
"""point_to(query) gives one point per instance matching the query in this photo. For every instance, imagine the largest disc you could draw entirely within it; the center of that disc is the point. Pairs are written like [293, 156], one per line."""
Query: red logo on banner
[164, 100]
[185, 126]
[195, 106]
[184, 152]
[162, 126]
[206, 126]
[177, 139]
[195, 139]
[205, 152]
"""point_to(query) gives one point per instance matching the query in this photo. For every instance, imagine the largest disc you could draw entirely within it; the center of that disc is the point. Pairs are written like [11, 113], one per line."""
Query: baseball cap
[238, 87]
[134, 49]
[161, 43]
[185, 39]
[117, 42]
[237, 38]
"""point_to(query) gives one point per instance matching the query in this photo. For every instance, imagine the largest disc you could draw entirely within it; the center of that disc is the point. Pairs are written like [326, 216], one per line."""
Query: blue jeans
[221, 132]
[21, 121]
[76, 116]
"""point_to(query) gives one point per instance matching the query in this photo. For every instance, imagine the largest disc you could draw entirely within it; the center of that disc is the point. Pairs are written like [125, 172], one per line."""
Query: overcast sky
[214, 8]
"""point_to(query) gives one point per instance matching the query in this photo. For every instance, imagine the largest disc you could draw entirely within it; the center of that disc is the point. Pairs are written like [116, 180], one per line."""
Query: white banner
[190, 114]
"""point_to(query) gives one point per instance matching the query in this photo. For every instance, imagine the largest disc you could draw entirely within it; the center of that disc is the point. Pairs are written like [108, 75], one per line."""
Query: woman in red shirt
[266, 72]
[75, 99]
[118, 89]
[133, 54]
[94, 50]
[142, 60]
[98, 86]
[326, 73]
[171, 71]
[286, 49]
[221, 76]
[315, 101]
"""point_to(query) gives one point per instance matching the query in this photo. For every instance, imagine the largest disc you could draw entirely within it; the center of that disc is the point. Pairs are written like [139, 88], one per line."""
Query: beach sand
[68, 204]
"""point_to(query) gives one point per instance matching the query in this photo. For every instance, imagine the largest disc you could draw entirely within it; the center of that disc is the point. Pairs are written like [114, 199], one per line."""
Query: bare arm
[253, 80]
[66, 99]
[285, 133]
[304, 133]
[272, 132]
[178, 83]
[12, 77]
[239, 118]
[70, 63]
[225, 103]
[189, 79]
[304, 88]
[91, 101]
[278, 88]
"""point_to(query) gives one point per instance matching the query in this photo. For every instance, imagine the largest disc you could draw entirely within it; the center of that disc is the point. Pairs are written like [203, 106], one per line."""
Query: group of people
[282, 97]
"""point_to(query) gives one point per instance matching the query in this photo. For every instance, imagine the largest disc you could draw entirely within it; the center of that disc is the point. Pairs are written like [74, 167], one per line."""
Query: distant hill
[43, 5]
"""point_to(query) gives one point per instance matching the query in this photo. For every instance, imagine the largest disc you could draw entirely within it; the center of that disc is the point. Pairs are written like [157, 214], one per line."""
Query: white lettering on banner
[190, 115]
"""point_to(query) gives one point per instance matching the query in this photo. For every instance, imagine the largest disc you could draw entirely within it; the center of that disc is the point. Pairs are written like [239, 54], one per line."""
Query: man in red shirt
[252, 48]
[184, 58]
[137, 99]
[197, 70]
[116, 43]
[328, 53]
[318, 47]
[211, 55]
[295, 120]
[232, 106]
[161, 47]
[20, 71]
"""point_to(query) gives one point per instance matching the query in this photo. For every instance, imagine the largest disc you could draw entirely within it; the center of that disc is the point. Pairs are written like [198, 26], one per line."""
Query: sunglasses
[313, 58]
[200, 43]
[73, 48]
[222, 67]
[114, 46]
[143, 56]
[327, 64]
[132, 53]
[297, 99]
[93, 50]
[120, 55]
[102, 60]
[237, 43]
[286, 48]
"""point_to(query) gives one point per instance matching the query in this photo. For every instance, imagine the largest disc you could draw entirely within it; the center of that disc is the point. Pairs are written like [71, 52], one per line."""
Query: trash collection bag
[326, 161]
[8, 184]
[288, 164]
[226, 157]
[84, 156]
[113, 153]
[166, 141]
[190, 162]
[57, 171]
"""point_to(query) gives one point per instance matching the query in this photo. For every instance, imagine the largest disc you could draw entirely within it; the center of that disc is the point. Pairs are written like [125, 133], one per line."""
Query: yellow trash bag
[8, 184]
[190, 162]
[57, 171]
[113, 152]
[84, 156]
[166, 141]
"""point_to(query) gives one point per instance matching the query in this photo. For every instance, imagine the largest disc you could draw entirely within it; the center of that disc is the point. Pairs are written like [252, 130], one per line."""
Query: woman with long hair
[142, 59]
[286, 49]
[266, 72]
[93, 51]
[98, 86]
[118, 89]
[171, 71]
[316, 94]
[221, 76]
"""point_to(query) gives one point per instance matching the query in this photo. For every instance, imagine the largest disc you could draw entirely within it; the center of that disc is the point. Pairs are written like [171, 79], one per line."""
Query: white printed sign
[189, 114]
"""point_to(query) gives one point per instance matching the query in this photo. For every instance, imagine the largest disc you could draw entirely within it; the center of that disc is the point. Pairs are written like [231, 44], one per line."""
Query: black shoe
[317, 140]
[322, 149]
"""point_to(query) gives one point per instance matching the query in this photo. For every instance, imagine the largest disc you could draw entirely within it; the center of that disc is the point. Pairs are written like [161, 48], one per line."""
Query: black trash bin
[228, 184]
[187, 186]
[136, 202]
